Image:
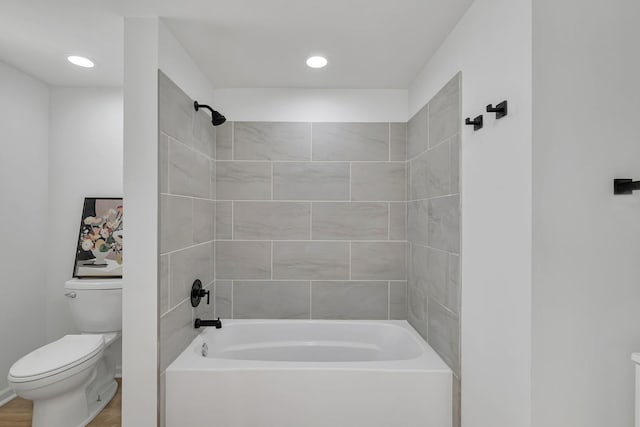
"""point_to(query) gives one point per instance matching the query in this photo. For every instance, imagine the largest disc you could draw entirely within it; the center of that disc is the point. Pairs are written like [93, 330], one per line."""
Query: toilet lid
[67, 352]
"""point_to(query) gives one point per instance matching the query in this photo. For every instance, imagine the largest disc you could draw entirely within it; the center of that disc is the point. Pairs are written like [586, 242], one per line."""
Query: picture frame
[99, 244]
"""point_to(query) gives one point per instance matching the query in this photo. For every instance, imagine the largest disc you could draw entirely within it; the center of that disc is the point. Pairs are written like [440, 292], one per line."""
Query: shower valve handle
[197, 293]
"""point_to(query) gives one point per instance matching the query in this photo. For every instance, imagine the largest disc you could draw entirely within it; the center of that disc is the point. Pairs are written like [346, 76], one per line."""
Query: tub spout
[200, 323]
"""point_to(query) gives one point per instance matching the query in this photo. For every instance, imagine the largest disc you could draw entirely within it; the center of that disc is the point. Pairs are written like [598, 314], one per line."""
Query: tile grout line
[190, 148]
[187, 247]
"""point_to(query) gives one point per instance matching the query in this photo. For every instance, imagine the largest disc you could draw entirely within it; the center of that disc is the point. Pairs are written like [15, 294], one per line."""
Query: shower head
[216, 118]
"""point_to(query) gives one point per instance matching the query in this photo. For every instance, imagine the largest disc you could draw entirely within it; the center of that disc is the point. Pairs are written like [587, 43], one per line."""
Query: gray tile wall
[433, 226]
[186, 170]
[311, 220]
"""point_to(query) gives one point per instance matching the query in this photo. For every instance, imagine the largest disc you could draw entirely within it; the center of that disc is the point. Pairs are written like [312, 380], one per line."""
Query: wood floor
[17, 413]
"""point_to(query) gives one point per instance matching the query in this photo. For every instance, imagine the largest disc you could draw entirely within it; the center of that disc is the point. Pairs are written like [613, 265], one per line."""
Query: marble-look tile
[176, 219]
[444, 334]
[417, 309]
[212, 175]
[398, 221]
[430, 175]
[438, 282]
[187, 265]
[224, 138]
[310, 181]
[175, 110]
[350, 141]
[163, 163]
[417, 133]
[454, 283]
[204, 134]
[443, 228]
[176, 332]
[454, 168]
[444, 113]
[349, 300]
[373, 181]
[224, 299]
[311, 260]
[417, 212]
[398, 140]
[272, 141]
[203, 220]
[271, 220]
[163, 284]
[243, 260]
[163, 399]
[224, 220]
[417, 268]
[398, 300]
[378, 260]
[243, 180]
[456, 396]
[349, 220]
[271, 300]
[189, 172]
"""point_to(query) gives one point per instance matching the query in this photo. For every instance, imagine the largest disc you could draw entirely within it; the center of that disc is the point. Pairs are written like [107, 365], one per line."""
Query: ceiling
[373, 44]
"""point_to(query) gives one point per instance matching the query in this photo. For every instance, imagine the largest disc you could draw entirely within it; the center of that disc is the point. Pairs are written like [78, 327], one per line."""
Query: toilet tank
[96, 304]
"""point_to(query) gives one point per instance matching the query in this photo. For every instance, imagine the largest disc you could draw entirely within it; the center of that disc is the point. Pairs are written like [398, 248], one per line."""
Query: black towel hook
[477, 123]
[500, 109]
[625, 186]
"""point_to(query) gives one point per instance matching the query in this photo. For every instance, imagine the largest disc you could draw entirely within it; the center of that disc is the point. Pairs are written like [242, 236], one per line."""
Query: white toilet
[72, 379]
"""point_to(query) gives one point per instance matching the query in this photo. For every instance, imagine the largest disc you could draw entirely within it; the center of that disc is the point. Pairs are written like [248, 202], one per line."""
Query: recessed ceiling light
[80, 61]
[317, 61]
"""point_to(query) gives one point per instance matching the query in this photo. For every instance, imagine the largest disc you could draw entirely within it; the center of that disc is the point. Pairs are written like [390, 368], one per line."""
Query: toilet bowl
[70, 380]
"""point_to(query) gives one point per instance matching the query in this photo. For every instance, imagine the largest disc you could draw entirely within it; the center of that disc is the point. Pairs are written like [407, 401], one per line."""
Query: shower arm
[198, 106]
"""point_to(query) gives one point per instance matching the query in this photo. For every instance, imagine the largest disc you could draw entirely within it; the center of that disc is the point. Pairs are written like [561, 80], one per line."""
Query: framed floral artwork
[99, 249]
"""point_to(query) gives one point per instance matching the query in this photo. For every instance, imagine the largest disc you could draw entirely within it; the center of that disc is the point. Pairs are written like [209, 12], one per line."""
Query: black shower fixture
[216, 118]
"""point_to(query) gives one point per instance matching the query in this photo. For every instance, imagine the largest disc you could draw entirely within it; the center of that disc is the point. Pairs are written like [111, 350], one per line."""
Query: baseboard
[6, 396]
[118, 371]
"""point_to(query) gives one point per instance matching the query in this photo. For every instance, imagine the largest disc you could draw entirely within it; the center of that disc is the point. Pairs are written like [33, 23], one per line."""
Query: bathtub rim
[429, 361]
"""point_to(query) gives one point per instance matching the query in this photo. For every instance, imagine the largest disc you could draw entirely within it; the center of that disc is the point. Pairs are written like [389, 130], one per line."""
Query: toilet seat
[62, 355]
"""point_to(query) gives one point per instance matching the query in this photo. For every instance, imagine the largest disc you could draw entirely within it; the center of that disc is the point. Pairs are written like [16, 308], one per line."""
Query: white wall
[176, 63]
[85, 159]
[148, 47]
[312, 105]
[26, 240]
[140, 272]
[491, 46]
[586, 289]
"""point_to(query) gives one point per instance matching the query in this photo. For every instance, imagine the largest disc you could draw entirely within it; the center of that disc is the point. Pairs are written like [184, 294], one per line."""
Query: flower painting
[99, 249]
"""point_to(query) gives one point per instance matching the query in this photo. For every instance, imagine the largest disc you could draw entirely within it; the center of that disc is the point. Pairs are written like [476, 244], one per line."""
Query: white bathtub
[309, 373]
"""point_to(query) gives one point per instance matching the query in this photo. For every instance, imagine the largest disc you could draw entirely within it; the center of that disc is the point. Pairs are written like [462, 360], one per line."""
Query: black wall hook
[625, 186]
[500, 109]
[477, 123]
